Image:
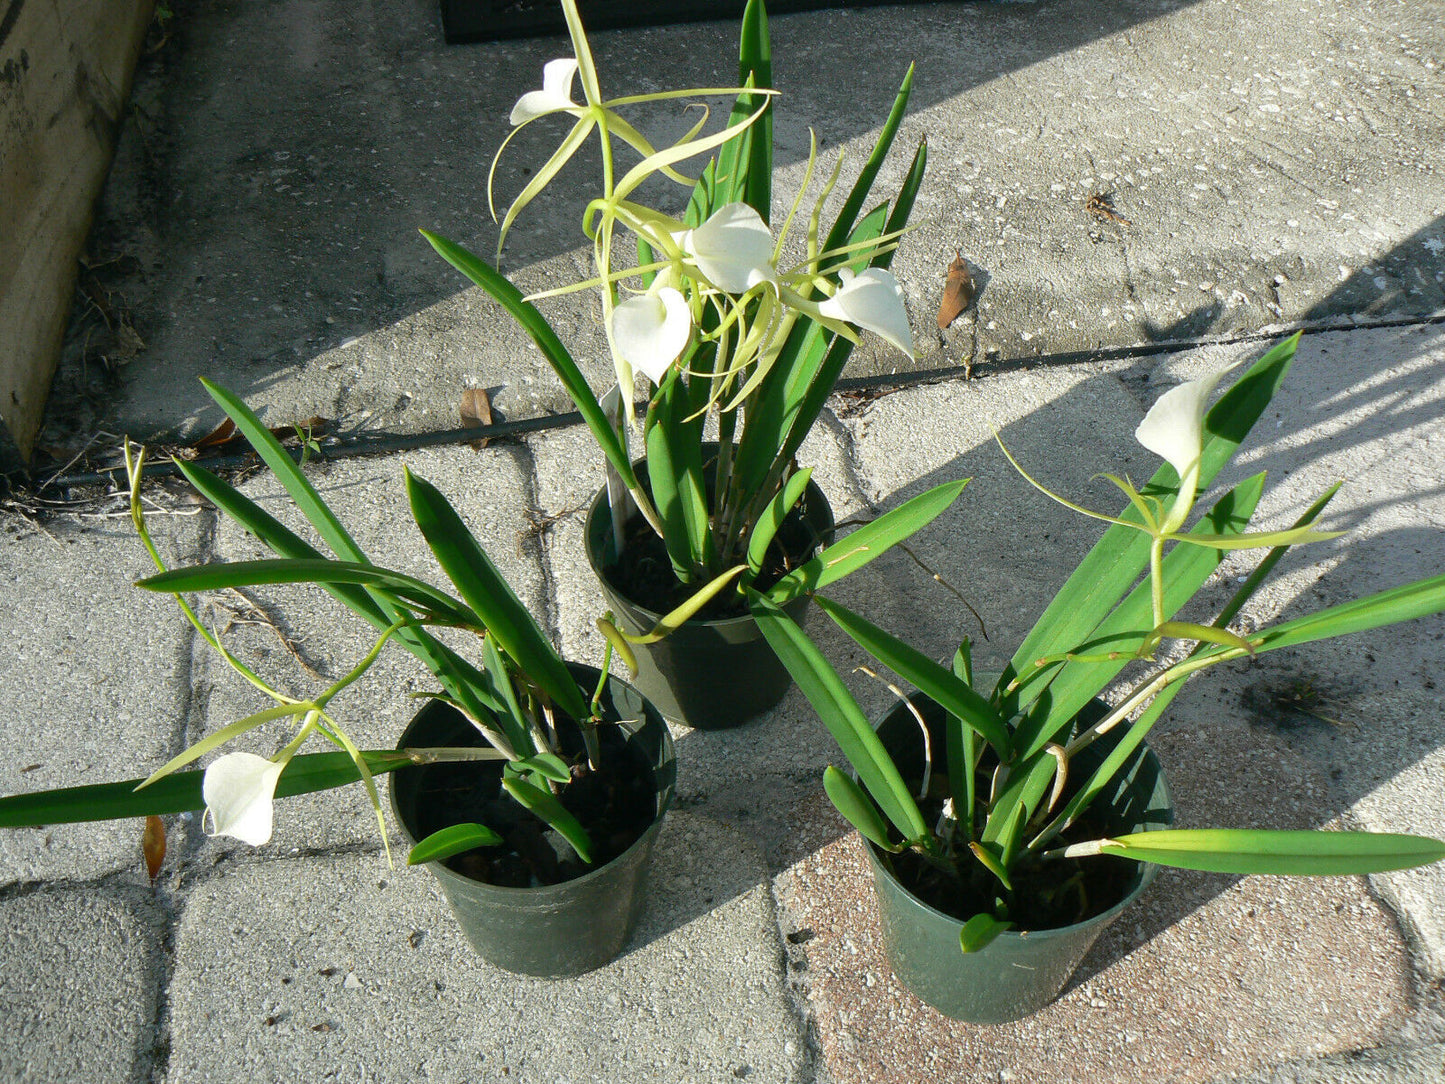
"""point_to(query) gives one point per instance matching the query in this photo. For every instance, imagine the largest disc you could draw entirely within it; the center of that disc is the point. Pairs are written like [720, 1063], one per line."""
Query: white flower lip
[1174, 427]
[651, 330]
[555, 95]
[239, 789]
[733, 249]
[872, 300]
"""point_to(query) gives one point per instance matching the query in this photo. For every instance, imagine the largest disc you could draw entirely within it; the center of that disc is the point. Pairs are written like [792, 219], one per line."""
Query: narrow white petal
[555, 95]
[733, 249]
[651, 330]
[1174, 427]
[872, 300]
[239, 789]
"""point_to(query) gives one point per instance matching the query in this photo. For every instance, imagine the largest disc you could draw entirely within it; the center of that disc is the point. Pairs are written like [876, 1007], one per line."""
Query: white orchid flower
[555, 95]
[733, 249]
[650, 330]
[239, 789]
[1174, 430]
[872, 300]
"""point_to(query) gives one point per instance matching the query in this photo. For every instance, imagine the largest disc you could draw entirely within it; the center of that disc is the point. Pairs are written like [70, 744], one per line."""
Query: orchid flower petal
[733, 249]
[239, 789]
[652, 329]
[555, 95]
[872, 300]
[1174, 427]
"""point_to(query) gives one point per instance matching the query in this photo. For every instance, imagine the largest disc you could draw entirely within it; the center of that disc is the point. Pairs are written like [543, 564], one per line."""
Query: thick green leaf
[746, 161]
[922, 672]
[488, 594]
[979, 931]
[286, 570]
[1185, 570]
[316, 510]
[961, 742]
[1121, 554]
[501, 688]
[449, 841]
[1403, 603]
[675, 476]
[858, 194]
[1246, 851]
[867, 542]
[545, 765]
[841, 715]
[535, 324]
[180, 792]
[766, 528]
[857, 808]
[545, 805]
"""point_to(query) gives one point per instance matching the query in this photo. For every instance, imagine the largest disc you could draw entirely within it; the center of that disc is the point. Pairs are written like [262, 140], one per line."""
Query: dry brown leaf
[957, 292]
[153, 845]
[476, 411]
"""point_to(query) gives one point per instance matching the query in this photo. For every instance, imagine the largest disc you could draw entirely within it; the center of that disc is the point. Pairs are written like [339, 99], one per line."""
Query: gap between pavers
[94, 686]
[79, 984]
[335, 965]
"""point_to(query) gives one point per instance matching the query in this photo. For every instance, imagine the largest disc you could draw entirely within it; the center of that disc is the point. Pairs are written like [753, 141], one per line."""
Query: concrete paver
[95, 685]
[80, 985]
[296, 969]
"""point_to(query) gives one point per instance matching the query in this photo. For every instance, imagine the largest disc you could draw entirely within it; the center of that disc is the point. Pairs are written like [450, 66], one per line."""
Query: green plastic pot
[1019, 972]
[552, 931]
[709, 675]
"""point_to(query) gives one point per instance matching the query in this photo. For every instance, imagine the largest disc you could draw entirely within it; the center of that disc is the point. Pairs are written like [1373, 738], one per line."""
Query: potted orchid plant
[738, 343]
[998, 811]
[533, 788]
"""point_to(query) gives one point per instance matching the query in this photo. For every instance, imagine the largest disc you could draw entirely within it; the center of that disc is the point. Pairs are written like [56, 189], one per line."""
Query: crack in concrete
[538, 541]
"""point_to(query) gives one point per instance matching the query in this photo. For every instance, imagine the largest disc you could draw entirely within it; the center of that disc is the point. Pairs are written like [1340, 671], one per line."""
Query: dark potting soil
[1046, 895]
[644, 571]
[616, 804]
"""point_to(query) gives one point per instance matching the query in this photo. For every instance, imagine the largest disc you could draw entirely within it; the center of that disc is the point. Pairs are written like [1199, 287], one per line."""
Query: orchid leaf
[842, 716]
[490, 597]
[922, 672]
[548, 766]
[857, 808]
[451, 841]
[546, 806]
[766, 529]
[1248, 851]
[316, 511]
[510, 298]
[500, 686]
[979, 931]
[869, 541]
[961, 743]
[222, 575]
[1016, 803]
[180, 792]
[1403, 603]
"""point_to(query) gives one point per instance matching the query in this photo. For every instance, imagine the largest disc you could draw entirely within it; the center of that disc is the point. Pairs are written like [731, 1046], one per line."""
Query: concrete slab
[96, 680]
[489, 489]
[80, 982]
[1117, 176]
[1420, 1065]
[338, 966]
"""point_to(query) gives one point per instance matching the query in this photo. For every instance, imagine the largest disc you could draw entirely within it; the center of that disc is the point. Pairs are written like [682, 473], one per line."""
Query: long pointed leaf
[180, 792]
[1246, 851]
[535, 324]
[857, 808]
[488, 594]
[867, 542]
[928, 676]
[546, 806]
[842, 716]
[456, 839]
